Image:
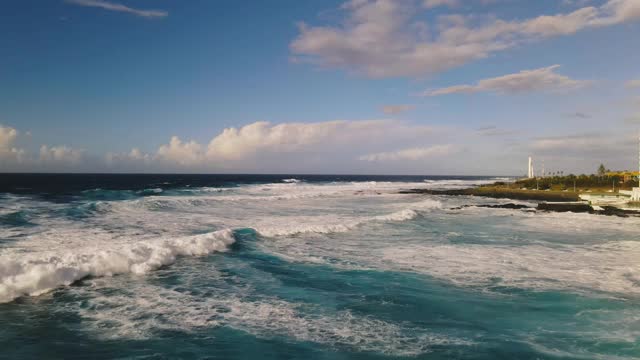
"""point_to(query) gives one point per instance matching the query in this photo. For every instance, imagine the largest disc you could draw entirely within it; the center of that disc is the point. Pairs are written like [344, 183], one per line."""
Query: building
[625, 176]
[635, 194]
[530, 174]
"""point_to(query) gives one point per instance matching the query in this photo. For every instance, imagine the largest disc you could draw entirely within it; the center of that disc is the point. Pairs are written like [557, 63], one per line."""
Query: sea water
[300, 267]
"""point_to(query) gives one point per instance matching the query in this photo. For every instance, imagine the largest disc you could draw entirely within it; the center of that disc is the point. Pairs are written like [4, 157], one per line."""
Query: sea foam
[40, 273]
[606, 268]
[311, 225]
[118, 316]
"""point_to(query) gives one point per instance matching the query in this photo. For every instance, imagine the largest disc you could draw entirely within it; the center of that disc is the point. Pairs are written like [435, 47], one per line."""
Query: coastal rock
[498, 206]
[566, 207]
[501, 193]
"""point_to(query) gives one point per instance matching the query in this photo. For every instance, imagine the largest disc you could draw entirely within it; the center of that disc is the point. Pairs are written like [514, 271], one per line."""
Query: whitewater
[197, 266]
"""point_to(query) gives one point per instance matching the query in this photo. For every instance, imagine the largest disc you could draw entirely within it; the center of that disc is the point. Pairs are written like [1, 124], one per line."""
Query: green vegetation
[602, 170]
[603, 181]
[509, 191]
[576, 183]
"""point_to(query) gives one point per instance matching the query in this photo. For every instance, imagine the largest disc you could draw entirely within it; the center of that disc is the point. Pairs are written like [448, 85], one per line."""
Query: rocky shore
[502, 193]
[560, 207]
[549, 201]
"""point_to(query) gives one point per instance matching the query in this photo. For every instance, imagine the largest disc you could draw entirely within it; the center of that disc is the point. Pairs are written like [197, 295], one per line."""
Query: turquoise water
[313, 268]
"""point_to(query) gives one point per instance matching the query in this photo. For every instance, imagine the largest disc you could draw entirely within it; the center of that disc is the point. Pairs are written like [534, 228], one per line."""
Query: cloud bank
[8, 153]
[264, 146]
[366, 146]
[382, 38]
[49, 158]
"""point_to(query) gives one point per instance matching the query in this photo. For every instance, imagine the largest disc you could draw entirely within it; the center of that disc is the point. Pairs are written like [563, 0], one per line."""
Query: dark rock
[565, 207]
[506, 206]
[501, 193]
[614, 211]
[498, 206]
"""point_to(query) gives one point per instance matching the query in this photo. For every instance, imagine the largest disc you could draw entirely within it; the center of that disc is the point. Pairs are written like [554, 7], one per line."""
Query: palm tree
[602, 170]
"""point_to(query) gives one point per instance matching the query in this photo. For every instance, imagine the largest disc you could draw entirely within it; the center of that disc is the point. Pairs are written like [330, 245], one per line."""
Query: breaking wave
[34, 275]
[303, 226]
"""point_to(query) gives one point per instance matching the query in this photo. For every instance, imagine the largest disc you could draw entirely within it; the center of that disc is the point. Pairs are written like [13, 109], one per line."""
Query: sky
[426, 87]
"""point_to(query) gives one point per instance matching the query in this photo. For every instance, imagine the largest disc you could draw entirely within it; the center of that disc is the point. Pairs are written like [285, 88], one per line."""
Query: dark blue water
[298, 267]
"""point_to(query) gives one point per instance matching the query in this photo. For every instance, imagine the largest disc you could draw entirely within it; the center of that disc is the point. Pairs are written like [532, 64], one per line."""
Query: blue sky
[360, 86]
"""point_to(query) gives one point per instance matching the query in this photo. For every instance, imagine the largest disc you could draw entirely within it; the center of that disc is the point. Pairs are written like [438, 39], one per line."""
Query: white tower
[635, 192]
[530, 173]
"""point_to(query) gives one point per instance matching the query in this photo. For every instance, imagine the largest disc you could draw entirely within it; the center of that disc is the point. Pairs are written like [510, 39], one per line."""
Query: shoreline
[548, 201]
[502, 193]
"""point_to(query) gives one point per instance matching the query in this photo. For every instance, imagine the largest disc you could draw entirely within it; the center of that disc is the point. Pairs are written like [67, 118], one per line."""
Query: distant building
[530, 174]
[635, 195]
[625, 176]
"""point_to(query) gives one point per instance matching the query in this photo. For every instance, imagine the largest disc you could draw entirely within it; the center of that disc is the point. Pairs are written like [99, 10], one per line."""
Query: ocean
[306, 267]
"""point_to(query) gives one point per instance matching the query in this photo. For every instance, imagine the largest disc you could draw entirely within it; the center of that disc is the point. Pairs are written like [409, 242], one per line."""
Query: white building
[635, 194]
[530, 174]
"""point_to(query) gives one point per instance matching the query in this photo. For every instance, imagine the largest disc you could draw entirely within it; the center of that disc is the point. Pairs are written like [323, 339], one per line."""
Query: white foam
[38, 273]
[402, 215]
[145, 309]
[334, 224]
[611, 267]
[578, 223]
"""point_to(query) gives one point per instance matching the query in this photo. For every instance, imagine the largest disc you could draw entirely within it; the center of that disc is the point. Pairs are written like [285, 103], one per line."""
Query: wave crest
[300, 227]
[37, 275]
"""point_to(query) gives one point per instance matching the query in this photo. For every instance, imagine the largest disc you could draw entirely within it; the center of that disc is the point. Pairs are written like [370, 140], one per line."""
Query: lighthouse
[530, 174]
[635, 192]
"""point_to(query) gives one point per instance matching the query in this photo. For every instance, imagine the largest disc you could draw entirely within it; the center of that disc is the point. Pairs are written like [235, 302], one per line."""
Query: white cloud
[261, 137]
[8, 153]
[61, 155]
[134, 157]
[412, 154]
[544, 79]
[396, 109]
[188, 153]
[380, 38]
[435, 3]
[633, 84]
[13, 158]
[263, 146]
[137, 155]
[7, 137]
[106, 5]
